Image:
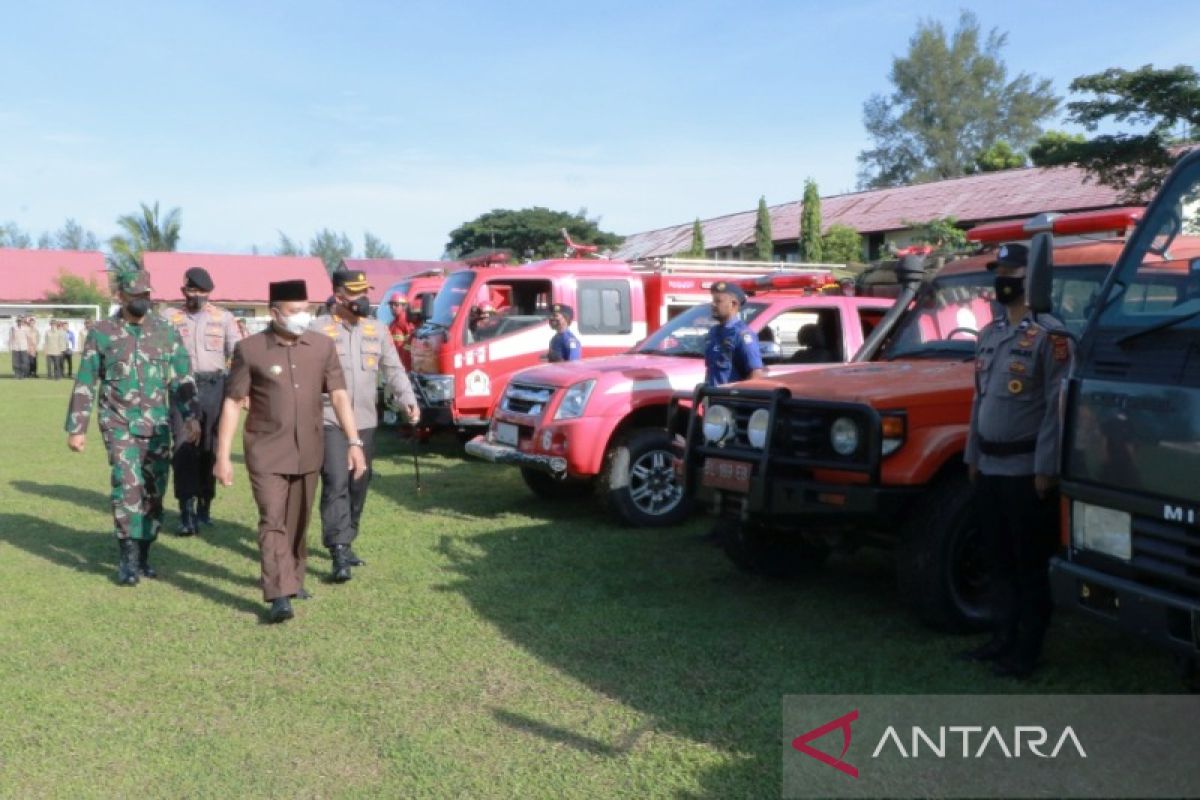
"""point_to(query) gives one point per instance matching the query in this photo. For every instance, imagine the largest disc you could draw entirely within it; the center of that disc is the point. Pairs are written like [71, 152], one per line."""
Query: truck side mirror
[1039, 274]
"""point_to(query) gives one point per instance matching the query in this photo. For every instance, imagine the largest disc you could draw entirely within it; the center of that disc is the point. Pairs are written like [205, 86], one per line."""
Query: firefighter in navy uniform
[564, 345]
[731, 349]
[1012, 457]
[210, 334]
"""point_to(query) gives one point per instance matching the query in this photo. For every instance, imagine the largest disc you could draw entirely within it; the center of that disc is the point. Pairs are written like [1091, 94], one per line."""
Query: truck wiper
[1159, 326]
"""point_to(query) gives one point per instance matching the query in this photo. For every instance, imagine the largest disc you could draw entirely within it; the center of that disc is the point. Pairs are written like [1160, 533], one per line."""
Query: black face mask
[193, 302]
[138, 307]
[360, 307]
[1009, 289]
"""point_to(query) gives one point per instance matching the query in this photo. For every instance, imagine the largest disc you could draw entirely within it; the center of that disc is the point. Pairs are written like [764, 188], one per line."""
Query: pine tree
[764, 247]
[811, 246]
[697, 248]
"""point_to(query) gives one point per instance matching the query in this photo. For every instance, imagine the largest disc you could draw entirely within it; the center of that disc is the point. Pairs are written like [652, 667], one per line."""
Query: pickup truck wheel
[941, 567]
[758, 550]
[639, 484]
[549, 488]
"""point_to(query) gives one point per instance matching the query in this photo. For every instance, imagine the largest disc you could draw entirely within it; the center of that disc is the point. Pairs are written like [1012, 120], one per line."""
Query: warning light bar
[1112, 220]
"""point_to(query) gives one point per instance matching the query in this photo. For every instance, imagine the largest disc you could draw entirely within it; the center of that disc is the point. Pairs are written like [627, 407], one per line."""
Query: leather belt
[1007, 448]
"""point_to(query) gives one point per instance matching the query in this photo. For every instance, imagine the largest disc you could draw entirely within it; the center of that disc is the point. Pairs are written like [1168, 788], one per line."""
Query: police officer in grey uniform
[1012, 457]
[210, 334]
[364, 347]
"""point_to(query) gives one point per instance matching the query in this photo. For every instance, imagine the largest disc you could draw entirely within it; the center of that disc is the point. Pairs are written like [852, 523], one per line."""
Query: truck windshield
[1156, 287]
[450, 298]
[948, 314]
[684, 336]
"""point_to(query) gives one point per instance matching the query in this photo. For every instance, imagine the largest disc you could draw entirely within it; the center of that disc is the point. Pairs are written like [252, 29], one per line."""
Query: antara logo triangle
[801, 743]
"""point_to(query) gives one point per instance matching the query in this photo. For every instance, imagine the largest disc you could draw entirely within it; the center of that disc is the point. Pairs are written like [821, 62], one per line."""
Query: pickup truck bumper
[1169, 620]
[479, 447]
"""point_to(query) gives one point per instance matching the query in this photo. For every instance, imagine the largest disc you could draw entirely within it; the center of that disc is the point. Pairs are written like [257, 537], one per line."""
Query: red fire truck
[463, 359]
[601, 422]
[420, 290]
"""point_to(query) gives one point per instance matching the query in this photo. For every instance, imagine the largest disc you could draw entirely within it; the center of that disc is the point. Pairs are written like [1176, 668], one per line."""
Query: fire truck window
[604, 307]
[808, 336]
[515, 306]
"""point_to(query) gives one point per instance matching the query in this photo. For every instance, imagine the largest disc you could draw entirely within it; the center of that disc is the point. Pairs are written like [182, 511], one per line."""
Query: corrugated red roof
[383, 272]
[27, 276]
[236, 279]
[971, 199]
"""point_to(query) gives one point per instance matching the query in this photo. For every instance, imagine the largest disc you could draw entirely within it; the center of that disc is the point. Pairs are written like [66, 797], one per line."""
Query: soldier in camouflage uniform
[141, 363]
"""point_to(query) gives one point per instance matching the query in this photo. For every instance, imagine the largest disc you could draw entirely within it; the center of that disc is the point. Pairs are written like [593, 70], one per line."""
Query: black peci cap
[288, 291]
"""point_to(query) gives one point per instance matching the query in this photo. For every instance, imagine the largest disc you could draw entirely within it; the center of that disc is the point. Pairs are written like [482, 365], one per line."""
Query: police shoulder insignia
[1062, 347]
[747, 337]
[369, 329]
[331, 331]
[1015, 386]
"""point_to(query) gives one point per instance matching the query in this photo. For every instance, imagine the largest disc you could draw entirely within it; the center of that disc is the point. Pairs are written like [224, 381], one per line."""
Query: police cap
[564, 309]
[352, 280]
[731, 289]
[1010, 255]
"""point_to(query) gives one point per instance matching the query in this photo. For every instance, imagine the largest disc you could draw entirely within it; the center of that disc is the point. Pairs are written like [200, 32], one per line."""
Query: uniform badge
[276, 369]
[1017, 367]
[1025, 343]
[747, 337]
[370, 361]
[1015, 386]
[1062, 350]
[1033, 330]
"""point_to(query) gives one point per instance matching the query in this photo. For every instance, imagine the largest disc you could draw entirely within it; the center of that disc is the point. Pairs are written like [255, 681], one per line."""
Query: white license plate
[506, 433]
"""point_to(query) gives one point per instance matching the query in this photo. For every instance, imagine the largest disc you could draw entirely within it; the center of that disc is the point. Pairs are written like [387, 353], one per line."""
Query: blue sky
[408, 118]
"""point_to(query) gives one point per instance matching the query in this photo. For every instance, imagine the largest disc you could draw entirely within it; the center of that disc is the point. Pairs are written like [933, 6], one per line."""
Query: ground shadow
[662, 624]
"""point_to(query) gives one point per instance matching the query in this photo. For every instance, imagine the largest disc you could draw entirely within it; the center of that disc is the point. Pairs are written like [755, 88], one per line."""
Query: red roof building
[886, 214]
[384, 272]
[28, 276]
[238, 280]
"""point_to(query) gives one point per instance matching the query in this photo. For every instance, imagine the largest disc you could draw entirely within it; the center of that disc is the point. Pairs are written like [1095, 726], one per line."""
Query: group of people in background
[58, 343]
[173, 387]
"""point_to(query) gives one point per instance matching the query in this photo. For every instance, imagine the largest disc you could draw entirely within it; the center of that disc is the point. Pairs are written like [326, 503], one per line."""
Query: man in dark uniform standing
[364, 351]
[209, 333]
[564, 345]
[731, 350]
[1012, 457]
[284, 370]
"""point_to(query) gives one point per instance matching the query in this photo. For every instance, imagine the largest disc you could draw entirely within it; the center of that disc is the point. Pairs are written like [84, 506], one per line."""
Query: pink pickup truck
[600, 424]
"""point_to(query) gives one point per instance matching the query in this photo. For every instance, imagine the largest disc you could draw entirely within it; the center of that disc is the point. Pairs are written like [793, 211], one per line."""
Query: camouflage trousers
[140, 465]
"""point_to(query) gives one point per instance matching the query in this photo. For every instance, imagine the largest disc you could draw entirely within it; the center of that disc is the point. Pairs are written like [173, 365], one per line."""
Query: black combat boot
[202, 511]
[144, 558]
[187, 516]
[281, 610]
[127, 567]
[352, 558]
[341, 565]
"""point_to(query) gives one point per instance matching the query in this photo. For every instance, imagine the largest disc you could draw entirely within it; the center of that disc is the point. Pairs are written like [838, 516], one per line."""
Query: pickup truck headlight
[575, 400]
[437, 388]
[758, 429]
[844, 436]
[1102, 530]
[718, 424]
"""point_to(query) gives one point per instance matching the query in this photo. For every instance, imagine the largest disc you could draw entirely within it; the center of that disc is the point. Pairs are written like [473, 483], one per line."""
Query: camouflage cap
[133, 281]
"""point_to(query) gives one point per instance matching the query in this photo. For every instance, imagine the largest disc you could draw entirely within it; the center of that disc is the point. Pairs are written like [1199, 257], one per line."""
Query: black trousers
[342, 497]
[1020, 533]
[31, 365]
[193, 463]
[54, 367]
[69, 362]
[20, 364]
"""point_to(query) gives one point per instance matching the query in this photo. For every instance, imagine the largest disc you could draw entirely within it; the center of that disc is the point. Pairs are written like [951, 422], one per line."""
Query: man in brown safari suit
[283, 371]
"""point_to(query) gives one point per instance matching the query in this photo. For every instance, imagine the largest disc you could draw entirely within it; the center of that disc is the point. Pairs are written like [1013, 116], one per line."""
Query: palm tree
[144, 233]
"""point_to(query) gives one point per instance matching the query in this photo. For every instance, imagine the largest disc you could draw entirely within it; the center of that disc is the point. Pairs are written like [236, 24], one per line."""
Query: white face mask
[297, 324]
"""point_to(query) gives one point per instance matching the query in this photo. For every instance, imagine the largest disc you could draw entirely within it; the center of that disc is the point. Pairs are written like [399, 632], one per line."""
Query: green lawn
[492, 648]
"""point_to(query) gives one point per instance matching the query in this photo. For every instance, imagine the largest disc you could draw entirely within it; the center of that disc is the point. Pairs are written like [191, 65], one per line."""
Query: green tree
[764, 246]
[1159, 102]
[943, 234]
[811, 247]
[951, 100]
[71, 236]
[288, 246]
[528, 232]
[374, 247]
[697, 248]
[12, 236]
[998, 157]
[841, 244]
[331, 247]
[1054, 147]
[144, 232]
[76, 290]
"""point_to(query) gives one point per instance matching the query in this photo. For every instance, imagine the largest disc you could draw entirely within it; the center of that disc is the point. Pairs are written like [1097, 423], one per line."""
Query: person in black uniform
[731, 350]
[1012, 458]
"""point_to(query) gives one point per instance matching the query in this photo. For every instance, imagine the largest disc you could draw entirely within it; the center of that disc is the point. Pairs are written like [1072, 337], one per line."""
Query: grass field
[493, 647]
